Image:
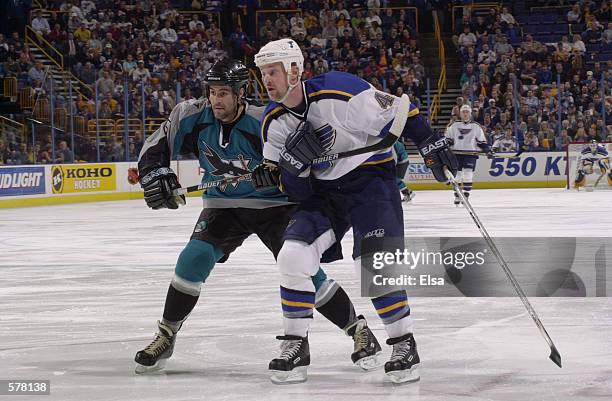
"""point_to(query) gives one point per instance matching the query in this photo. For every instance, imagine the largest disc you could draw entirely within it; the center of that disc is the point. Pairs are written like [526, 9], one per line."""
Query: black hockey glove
[301, 147]
[486, 149]
[265, 176]
[437, 155]
[158, 185]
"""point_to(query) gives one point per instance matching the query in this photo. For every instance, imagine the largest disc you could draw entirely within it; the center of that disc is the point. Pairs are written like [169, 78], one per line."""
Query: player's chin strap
[554, 354]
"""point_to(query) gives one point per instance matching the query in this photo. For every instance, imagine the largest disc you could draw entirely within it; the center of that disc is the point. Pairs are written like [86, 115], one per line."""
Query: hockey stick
[212, 184]
[395, 130]
[554, 354]
[494, 155]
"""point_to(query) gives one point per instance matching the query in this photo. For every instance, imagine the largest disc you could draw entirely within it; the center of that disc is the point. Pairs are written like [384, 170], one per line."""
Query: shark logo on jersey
[384, 100]
[226, 168]
[327, 137]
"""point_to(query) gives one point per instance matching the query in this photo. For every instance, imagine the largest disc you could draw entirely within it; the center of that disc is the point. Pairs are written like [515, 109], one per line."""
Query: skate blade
[370, 362]
[404, 376]
[297, 375]
[142, 369]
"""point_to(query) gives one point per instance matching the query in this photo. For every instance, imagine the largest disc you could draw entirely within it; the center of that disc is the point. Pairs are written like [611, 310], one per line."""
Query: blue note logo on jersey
[464, 131]
[327, 136]
[226, 168]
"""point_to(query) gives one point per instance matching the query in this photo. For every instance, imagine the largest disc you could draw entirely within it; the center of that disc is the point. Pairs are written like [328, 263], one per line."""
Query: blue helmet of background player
[593, 145]
[228, 72]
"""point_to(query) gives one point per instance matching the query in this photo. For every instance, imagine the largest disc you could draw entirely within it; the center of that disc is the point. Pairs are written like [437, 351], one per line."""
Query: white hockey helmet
[465, 107]
[284, 51]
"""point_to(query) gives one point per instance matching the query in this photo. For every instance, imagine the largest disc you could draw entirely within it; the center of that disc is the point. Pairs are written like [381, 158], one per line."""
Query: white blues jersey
[346, 113]
[505, 145]
[466, 137]
[601, 153]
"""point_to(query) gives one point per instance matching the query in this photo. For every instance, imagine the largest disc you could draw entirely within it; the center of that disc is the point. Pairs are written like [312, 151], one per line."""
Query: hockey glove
[158, 185]
[301, 147]
[265, 176]
[437, 155]
[486, 149]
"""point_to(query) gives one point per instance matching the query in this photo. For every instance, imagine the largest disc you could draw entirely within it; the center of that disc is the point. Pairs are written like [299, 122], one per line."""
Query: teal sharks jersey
[193, 129]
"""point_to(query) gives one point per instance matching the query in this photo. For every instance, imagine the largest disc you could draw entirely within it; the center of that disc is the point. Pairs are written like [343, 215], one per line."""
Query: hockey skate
[156, 354]
[403, 365]
[292, 364]
[457, 200]
[367, 349]
[407, 194]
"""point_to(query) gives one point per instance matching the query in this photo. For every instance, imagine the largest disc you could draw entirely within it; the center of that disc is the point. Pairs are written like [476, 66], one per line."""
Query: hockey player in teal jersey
[223, 130]
[401, 166]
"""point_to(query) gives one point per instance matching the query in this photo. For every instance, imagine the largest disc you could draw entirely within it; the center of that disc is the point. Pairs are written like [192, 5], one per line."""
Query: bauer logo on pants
[83, 178]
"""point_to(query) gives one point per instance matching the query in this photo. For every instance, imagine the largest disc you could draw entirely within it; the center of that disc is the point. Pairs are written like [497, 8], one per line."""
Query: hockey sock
[468, 175]
[178, 306]
[394, 311]
[392, 307]
[297, 310]
[333, 303]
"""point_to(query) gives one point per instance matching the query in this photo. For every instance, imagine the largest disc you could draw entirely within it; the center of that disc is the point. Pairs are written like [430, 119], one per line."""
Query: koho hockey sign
[83, 178]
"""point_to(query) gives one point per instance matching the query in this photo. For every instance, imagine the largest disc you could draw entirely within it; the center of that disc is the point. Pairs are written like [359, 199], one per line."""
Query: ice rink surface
[82, 285]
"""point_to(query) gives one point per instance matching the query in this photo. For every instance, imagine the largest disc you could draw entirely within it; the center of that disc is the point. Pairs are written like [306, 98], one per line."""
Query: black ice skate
[367, 349]
[156, 354]
[403, 365]
[407, 194]
[292, 364]
[457, 201]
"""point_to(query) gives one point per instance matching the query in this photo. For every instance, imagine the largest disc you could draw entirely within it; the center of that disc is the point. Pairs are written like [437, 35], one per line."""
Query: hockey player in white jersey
[468, 141]
[327, 114]
[592, 157]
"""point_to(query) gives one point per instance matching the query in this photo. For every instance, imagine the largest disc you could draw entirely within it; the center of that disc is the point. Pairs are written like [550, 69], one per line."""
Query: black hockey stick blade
[555, 356]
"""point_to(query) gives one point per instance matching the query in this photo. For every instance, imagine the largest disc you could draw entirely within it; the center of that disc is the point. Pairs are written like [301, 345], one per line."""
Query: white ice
[82, 285]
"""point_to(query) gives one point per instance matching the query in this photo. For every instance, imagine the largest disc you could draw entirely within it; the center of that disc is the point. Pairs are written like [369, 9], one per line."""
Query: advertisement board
[22, 181]
[83, 178]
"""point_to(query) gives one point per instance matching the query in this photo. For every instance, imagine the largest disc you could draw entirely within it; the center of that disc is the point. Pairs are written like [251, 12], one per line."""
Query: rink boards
[92, 182]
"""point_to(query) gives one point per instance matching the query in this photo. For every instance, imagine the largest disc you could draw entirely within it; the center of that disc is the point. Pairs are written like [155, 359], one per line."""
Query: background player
[468, 140]
[225, 135]
[327, 114]
[593, 156]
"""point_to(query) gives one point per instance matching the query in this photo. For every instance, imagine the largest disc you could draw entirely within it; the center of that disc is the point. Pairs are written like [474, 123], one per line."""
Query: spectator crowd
[144, 57]
[511, 69]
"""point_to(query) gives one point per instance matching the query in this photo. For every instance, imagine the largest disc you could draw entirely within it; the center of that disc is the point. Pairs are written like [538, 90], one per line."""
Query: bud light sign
[22, 181]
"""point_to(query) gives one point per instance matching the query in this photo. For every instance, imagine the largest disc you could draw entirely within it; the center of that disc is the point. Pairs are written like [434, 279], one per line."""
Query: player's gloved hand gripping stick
[554, 353]
[303, 149]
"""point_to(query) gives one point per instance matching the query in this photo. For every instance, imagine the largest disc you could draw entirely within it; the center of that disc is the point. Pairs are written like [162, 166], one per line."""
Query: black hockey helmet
[228, 72]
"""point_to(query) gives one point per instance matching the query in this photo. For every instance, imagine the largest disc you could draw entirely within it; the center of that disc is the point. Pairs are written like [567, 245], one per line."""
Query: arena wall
[22, 186]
